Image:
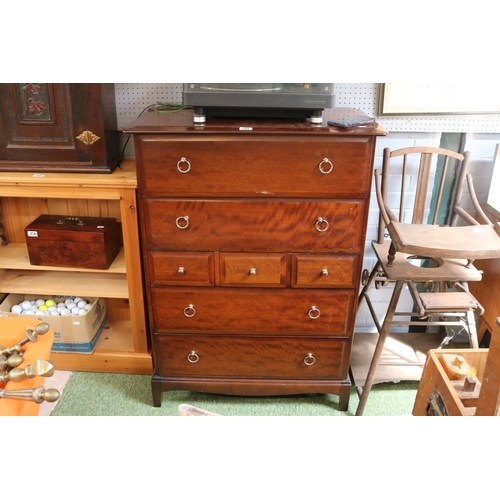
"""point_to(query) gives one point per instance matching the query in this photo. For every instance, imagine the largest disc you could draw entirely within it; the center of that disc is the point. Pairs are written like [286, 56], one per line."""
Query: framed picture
[425, 99]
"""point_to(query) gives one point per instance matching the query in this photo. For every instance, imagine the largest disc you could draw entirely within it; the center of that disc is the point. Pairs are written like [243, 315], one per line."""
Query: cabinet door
[41, 126]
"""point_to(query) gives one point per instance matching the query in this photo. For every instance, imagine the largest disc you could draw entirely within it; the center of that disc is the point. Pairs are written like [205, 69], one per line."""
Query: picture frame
[428, 99]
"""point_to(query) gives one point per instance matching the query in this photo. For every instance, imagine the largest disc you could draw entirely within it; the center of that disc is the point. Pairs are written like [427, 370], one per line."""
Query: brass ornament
[38, 395]
[41, 368]
[31, 335]
[10, 359]
[87, 137]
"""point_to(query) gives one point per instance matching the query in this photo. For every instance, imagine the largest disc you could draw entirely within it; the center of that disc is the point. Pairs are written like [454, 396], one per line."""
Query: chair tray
[403, 269]
[460, 242]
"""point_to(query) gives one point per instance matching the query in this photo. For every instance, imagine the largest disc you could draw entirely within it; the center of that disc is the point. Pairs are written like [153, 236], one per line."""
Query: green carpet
[110, 394]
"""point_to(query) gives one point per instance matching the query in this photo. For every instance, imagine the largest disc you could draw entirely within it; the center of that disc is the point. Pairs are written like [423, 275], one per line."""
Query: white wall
[483, 133]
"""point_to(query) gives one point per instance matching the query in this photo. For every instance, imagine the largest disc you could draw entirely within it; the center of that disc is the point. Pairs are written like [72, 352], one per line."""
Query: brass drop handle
[324, 272]
[314, 312]
[252, 271]
[192, 357]
[189, 311]
[322, 224]
[309, 359]
[182, 222]
[325, 166]
[181, 270]
[183, 165]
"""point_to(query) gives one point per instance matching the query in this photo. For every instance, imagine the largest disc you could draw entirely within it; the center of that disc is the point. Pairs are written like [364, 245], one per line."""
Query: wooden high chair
[433, 258]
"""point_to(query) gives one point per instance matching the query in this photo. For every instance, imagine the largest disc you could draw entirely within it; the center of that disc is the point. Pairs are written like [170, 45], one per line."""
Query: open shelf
[64, 283]
[114, 353]
[15, 256]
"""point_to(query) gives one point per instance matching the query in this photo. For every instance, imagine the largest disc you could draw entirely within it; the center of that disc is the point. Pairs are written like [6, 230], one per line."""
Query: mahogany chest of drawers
[253, 234]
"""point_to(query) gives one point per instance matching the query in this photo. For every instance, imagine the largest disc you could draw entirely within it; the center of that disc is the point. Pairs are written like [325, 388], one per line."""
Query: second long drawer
[253, 225]
[255, 311]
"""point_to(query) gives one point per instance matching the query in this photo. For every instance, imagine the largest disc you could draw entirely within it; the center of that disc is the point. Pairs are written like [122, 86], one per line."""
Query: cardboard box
[71, 333]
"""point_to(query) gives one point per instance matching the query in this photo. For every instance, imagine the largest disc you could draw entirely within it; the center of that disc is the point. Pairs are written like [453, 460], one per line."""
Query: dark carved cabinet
[58, 127]
[253, 234]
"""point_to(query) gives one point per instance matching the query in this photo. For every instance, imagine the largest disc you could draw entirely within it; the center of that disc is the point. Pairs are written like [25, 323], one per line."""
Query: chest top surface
[181, 122]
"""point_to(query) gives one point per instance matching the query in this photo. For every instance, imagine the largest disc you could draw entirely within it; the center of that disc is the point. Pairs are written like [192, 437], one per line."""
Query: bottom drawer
[252, 357]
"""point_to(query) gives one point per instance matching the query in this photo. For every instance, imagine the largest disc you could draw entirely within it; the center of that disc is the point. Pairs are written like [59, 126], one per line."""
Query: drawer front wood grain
[258, 311]
[181, 268]
[323, 270]
[256, 166]
[253, 226]
[252, 357]
[238, 269]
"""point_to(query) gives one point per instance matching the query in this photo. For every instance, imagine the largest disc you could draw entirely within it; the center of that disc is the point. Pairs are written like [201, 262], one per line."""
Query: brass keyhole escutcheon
[87, 137]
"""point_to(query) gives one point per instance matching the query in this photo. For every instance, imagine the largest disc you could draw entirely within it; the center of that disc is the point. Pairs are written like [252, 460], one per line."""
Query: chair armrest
[472, 193]
[385, 211]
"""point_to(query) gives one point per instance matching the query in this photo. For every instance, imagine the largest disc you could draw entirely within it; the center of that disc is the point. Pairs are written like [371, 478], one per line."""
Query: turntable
[259, 100]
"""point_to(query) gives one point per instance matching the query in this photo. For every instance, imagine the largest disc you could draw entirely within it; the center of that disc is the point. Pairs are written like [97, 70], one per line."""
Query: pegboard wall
[132, 98]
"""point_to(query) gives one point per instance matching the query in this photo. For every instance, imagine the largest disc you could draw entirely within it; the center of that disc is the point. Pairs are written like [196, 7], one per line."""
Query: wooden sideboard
[123, 345]
[253, 233]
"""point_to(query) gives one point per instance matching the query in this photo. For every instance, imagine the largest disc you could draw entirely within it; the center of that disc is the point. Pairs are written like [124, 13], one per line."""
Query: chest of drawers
[253, 234]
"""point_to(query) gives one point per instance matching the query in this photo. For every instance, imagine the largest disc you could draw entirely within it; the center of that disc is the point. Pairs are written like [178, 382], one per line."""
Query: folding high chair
[415, 249]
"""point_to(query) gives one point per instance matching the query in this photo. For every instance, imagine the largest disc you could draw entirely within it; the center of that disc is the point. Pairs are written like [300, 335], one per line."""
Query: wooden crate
[439, 395]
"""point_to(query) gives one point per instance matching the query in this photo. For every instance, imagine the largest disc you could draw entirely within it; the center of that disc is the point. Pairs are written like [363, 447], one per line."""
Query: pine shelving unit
[123, 345]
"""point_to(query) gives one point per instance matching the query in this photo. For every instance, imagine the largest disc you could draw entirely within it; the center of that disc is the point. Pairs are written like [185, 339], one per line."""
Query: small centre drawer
[254, 357]
[253, 269]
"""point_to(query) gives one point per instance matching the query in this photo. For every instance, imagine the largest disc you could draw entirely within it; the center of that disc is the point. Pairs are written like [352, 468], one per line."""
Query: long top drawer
[225, 165]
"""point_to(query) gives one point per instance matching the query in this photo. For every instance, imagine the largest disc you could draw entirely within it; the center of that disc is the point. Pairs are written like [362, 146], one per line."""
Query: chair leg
[472, 330]
[379, 347]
